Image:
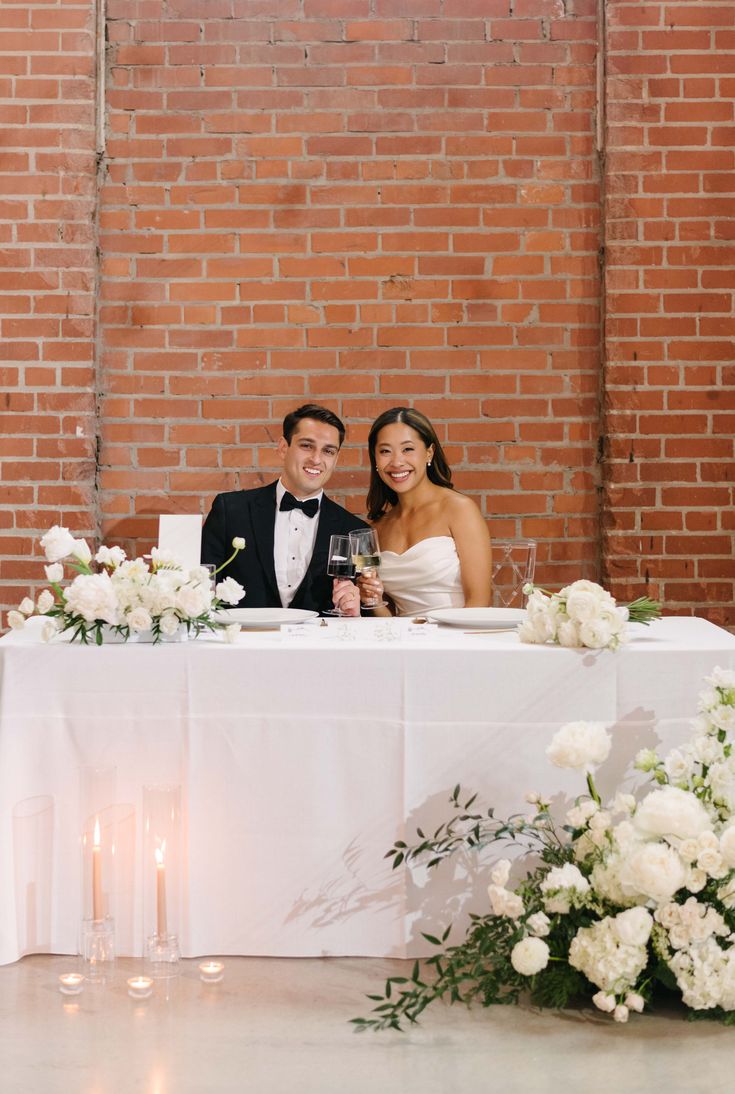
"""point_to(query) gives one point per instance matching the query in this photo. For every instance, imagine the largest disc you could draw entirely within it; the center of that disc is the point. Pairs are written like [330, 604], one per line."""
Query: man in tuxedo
[287, 525]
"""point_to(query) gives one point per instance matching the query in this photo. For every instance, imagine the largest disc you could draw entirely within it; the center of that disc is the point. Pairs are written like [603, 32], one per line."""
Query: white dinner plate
[264, 617]
[479, 619]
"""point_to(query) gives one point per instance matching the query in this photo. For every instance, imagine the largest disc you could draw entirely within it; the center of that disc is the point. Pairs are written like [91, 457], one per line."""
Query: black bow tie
[310, 507]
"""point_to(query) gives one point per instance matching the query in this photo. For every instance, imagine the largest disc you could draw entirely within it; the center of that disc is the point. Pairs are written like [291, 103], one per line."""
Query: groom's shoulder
[344, 515]
[237, 498]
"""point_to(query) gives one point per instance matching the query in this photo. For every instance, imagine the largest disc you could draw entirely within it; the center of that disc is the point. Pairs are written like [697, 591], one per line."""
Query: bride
[435, 546]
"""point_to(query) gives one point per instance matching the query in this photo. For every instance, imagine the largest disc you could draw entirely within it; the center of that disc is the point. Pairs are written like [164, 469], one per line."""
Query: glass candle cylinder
[162, 877]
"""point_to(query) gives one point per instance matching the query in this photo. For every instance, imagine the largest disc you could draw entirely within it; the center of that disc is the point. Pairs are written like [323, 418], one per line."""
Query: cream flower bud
[26, 606]
[621, 1012]
[238, 543]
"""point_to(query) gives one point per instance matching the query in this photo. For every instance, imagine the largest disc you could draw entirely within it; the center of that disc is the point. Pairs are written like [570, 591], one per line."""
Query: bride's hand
[371, 588]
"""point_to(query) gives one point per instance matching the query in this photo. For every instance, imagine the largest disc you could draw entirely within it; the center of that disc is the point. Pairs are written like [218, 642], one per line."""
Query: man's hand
[346, 597]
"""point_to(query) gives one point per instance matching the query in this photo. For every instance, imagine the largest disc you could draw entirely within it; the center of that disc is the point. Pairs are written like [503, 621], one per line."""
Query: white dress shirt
[293, 545]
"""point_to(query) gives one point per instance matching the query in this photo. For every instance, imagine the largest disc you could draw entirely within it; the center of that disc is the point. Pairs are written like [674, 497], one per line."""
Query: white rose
[538, 924]
[26, 606]
[579, 815]
[711, 862]
[670, 811]
[726, 893]
[54, 573]
[139, 619]
[501, 872]
[229, 591]
[169, 624]
[727, 846]
[16, 621]
[579, 745]
[238, 543]
[633, 927]
[529, 956]
[653, 870]
[689, 850]
[81, 550]
[583, 604]
[46, 601]
[695, 880]
[93, 597]
[604, 1001]
[58, 543]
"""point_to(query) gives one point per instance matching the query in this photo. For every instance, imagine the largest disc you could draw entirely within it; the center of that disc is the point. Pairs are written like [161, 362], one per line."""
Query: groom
[287, 525]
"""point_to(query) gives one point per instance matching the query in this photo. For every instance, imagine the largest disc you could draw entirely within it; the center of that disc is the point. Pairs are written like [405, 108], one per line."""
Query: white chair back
[514, 562]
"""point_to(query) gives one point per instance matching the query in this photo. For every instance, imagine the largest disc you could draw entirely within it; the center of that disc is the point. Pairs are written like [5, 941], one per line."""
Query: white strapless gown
[425, 577]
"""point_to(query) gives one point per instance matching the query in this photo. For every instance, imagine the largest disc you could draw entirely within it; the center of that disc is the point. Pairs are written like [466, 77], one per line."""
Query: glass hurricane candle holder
[162, 872]
[98, 947]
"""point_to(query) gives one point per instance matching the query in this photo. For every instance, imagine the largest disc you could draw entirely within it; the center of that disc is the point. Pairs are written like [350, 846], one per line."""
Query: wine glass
[365, 552]
[339, 563]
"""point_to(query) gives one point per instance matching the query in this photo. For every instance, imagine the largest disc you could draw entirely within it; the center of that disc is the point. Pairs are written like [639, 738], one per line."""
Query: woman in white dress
[435, 546]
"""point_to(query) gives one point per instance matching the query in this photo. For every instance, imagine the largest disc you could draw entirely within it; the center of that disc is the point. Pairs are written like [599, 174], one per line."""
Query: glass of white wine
[365, 552]
[339, 563]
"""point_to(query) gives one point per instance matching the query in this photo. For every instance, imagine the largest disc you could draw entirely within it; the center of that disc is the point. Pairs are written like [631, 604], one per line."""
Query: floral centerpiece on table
[629, 898]
[581, 615]
[151, 598]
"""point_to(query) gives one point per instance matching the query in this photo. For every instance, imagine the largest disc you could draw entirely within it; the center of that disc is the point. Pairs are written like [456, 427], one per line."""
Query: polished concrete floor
[281, 1027]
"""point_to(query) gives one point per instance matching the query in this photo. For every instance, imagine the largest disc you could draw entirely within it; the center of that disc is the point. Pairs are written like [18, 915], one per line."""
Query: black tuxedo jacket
[252, 515]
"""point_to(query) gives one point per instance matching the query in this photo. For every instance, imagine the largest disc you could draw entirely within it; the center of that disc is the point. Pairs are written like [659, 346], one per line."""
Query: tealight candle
[211, 972]
[140, 987]
[71, 983]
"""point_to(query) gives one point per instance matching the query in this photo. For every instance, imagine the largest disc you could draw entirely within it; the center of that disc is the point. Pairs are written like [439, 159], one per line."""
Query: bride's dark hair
[380, 496]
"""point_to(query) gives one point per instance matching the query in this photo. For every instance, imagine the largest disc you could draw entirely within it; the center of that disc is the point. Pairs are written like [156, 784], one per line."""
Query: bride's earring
[428, 463]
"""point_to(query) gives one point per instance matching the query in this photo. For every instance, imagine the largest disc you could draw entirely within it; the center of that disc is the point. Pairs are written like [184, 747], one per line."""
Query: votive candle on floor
[140, 987]
[211, 972]
[71, 983]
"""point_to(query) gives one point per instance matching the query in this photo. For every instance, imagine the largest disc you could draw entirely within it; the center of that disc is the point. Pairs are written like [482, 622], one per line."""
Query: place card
[182, 535]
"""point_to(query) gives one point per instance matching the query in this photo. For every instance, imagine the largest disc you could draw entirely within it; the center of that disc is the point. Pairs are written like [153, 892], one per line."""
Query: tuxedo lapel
[264, 523]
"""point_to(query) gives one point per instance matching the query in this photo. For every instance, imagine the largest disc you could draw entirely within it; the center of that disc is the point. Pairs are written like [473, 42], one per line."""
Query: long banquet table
[301, 757]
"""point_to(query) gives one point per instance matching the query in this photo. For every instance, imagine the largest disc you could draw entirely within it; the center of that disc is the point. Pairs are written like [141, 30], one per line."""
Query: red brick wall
[47, 272]
[365, 205]
[369, 204]
[670, 372]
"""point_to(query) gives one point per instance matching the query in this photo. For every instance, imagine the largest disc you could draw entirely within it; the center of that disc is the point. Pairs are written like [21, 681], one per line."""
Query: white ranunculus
[232, 630]
[670, 811]
[54, 573]
[139, 620]
[653, 870]
[229, 591]
[529, 956]
[169, 624]
[539, 924]
[568, 635]
[501, 872]
[190, 601]
[93, 597]
[238, 543]
[579, 745]
[81, 550]
[163, 556]
[584, 600]
[727, 846]
[596, 634]
[110, 556]
[633, 926]
[57, 543]
[26, 606]
[16, 621]
[46, 601]
[527, 633]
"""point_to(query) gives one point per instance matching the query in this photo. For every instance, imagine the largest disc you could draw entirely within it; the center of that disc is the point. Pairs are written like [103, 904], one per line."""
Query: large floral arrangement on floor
[629, 898]
[581, 615]
[152, 598]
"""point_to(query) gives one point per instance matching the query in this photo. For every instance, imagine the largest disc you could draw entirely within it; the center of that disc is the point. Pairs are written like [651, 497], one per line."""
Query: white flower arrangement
[126, 597]
[629, 899]
[581, 615]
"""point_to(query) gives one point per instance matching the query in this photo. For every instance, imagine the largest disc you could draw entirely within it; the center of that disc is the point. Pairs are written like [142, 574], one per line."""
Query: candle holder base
[98, 948]
[162, 955]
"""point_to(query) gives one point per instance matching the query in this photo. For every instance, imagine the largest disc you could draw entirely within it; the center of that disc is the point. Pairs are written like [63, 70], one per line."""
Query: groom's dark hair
[318, 413]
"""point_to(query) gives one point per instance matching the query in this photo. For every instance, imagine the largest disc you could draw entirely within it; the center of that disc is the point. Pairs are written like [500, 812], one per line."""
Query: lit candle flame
[96, 840]
[159, 853]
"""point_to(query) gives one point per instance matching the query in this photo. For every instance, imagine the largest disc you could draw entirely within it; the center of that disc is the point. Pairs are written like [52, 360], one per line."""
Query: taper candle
[161, 929]
[96, 873]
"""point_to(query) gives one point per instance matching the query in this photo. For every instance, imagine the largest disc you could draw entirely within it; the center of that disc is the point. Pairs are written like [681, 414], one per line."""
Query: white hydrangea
[612, 965]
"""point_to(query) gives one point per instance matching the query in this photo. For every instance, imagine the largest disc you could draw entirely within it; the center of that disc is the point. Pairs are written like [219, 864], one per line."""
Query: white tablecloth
[301, 759]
